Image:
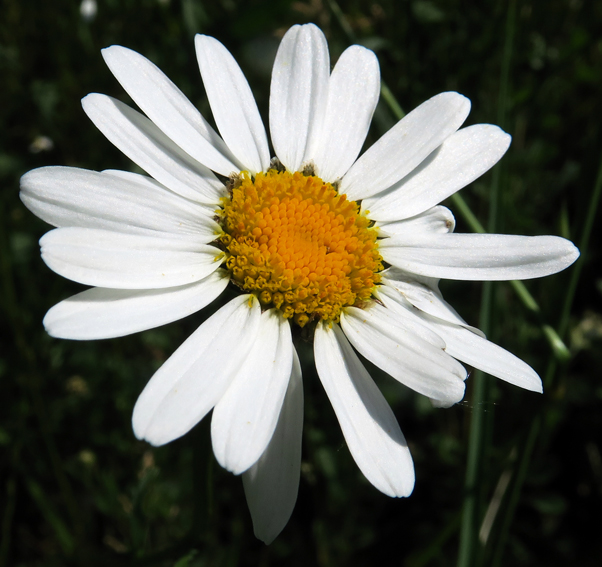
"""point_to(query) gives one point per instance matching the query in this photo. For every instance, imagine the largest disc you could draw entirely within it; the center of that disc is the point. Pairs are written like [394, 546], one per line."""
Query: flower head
[313, 237]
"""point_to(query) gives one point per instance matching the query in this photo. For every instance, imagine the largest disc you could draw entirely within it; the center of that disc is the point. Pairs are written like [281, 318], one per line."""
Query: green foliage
[77, 488]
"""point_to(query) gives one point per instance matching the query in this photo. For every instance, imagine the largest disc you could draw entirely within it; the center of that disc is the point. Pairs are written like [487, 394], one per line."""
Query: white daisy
[305, 238]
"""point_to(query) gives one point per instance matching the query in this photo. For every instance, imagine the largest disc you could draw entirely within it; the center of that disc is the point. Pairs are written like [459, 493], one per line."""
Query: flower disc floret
[298, 245]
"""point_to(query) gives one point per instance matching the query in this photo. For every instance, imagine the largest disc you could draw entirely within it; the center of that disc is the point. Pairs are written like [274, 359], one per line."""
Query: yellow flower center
[298, 245]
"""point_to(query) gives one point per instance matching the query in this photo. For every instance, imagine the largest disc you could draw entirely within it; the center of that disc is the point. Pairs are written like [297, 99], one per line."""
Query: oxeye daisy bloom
[311, 236]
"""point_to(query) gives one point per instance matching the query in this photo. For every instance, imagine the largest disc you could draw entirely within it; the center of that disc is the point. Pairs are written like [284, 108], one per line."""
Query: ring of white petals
[144, 243]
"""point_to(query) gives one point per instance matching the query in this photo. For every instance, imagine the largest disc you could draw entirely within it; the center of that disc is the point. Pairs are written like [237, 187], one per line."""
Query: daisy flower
[311, 236]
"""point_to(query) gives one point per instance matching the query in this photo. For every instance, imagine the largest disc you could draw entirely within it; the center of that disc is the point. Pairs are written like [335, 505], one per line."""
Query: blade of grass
[390, 99]
[583, 245]
[63, 535]
[338, 14]
[514, 491]
[496, 501]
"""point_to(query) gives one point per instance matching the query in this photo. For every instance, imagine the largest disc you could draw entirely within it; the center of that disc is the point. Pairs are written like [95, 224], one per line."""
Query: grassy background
[76, 487]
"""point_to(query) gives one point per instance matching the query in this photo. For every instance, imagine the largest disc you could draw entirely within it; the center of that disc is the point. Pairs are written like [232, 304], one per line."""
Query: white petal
[442, 404]
[68, 196]
[486, 356]
[139, 139]
[298, 92]
[394, 273]
[232, 103]
[396, 310]
[272, 483]
[408, 325]
[368, 424]
[196, 376]
[353, 91]
[479, 256]
[207, 209]
[126, 261]
[244, 420]
[102, 313]
[436, 220]
[461, 159]
[424, 297]
[408, 358]
[407, 144]
[169, 109]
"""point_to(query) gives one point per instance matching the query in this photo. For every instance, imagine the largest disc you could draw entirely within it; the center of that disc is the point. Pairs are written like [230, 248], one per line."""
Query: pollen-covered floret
[299, 246]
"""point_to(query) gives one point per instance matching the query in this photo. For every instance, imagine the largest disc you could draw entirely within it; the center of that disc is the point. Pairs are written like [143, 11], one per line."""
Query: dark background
[76, 487]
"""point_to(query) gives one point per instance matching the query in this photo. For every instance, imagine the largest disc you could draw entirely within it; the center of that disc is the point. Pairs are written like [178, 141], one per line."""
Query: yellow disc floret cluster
[298, 245]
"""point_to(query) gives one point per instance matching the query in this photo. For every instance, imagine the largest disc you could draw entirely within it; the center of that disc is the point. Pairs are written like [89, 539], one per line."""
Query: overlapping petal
[436, 220]
[479, 256]
[196, 376]
[169, 109]
[461, 158]
[102, 313]
[405, 145]
[353, 90]
[368, 424]
[407, 326]
[207, 209]
[145, 243]
[407, 357]
[73, 197]
[469, 347]
[425, 297]
[298, 93]
[233, 105]
[272, 483]
[126, 261]
[140, 140]
[244, 420]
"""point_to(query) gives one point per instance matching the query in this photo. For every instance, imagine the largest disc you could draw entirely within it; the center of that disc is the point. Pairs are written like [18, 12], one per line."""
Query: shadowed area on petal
[368, 424]
[244, 419]
[409, 358]
[169, 109]
[196, 376]
[102, 313]
[272, 483]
